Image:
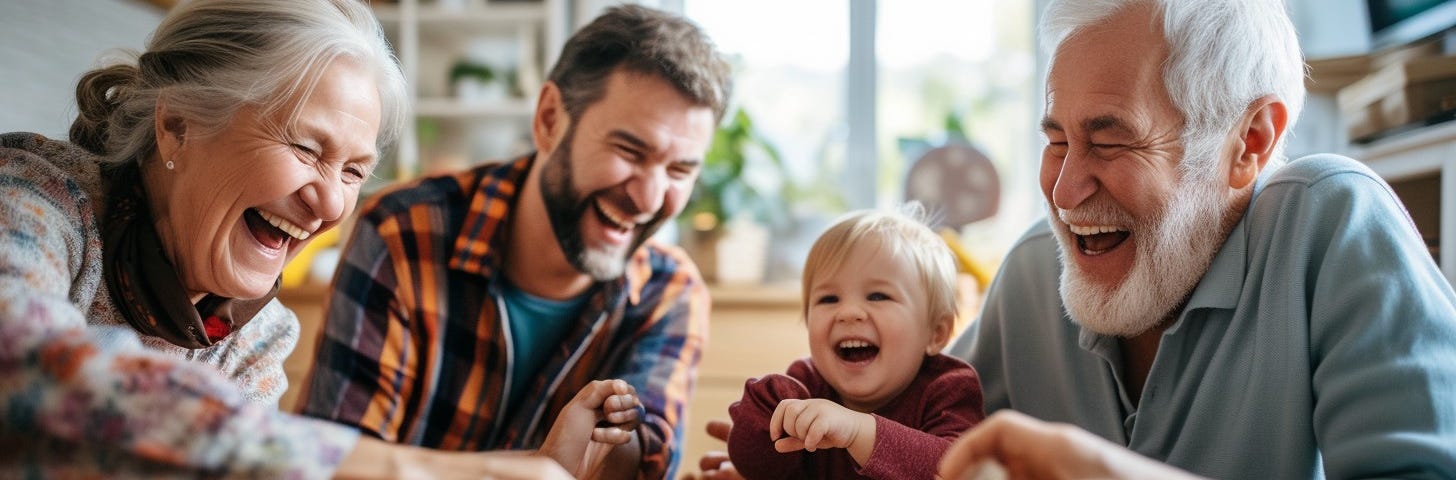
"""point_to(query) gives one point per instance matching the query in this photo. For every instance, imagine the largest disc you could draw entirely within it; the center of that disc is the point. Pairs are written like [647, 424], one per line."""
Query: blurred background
[839, 104]
[836, 101]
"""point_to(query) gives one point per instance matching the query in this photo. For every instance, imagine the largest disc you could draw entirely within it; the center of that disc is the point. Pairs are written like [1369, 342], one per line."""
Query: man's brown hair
[641, 40]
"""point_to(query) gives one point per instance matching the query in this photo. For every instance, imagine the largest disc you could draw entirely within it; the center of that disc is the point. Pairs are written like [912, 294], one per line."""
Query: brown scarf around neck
[145, 285]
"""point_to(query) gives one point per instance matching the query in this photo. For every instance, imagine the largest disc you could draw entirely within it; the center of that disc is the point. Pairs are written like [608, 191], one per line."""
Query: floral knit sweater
[83, 395]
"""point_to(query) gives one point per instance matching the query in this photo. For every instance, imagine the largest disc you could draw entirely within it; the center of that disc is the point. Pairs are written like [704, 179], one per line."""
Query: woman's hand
[1030, 448]
[817, 423]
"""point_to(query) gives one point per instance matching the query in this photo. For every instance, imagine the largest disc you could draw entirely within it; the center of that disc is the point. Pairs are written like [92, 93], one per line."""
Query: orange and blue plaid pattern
[416, 348]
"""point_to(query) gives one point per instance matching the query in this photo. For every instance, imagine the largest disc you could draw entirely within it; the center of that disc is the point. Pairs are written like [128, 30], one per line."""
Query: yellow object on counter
[968, 263]
[295, 274]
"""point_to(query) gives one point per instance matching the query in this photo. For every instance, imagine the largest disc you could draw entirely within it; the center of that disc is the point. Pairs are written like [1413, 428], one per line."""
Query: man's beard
[567, 209]
[1174, 251]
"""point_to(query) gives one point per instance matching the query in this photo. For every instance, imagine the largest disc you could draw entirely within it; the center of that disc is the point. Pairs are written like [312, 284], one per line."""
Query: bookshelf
[517, 39]
[1394, 101]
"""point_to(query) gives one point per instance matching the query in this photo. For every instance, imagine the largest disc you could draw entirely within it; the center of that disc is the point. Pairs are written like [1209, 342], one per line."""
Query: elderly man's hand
[715, 465]
[1031, 448]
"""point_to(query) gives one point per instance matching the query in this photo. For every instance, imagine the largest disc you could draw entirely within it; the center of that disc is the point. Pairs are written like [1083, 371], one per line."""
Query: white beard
[1173, 253]
[604, 264]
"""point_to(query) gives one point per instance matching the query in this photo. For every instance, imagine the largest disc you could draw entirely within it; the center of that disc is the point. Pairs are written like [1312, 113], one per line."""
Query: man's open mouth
[612, 216]
[1098, 239]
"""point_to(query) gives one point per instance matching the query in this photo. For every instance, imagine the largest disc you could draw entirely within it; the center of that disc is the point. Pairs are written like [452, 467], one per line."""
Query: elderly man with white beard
[1195, 304]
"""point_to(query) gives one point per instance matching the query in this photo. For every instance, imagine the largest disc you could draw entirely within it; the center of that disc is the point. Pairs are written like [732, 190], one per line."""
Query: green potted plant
[725, 199]
[471, 80]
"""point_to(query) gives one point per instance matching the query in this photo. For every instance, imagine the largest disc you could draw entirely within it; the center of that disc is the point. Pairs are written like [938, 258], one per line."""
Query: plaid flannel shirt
[417, 347]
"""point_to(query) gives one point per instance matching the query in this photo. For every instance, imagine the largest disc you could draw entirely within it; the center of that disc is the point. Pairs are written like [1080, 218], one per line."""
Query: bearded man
[470, 308]
[1193, 297]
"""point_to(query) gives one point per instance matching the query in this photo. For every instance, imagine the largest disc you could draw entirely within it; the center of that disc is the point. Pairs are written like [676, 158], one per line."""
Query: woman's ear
[170, 131]
[940, 335]
[550, 122]
[1259, 132]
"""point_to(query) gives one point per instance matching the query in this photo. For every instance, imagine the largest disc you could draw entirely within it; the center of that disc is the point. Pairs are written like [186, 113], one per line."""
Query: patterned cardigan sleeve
[77, 404]
[252, 357]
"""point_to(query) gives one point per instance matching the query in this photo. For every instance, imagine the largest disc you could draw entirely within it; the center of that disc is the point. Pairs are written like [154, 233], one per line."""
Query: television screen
[1398, 22]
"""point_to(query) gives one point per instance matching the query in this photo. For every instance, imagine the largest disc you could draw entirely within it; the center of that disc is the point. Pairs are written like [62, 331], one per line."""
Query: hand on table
[1030, 448]
[372, 458]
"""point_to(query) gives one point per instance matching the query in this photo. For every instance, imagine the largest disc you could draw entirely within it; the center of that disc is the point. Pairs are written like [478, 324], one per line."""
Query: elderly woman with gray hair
[139, 334]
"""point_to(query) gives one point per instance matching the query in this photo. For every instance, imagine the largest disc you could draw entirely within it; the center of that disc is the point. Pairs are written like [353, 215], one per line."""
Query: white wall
[1327, 28]
[584, 11]
[45, 46]
[1330, 28]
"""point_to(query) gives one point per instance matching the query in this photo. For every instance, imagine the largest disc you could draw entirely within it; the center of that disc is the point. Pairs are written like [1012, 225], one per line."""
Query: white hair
[1222, 55]
[210, 58]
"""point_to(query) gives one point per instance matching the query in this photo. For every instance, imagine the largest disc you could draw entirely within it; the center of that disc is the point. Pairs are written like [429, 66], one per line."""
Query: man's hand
[604, 414]
[1031, 448]
[817, 423]
[715, 464]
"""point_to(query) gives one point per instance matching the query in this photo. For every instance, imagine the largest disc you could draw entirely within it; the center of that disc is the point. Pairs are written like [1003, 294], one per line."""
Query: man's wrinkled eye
[682, 170]
[633, 155]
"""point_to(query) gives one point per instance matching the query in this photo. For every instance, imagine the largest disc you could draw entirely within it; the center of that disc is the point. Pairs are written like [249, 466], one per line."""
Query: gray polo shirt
[1321, 342]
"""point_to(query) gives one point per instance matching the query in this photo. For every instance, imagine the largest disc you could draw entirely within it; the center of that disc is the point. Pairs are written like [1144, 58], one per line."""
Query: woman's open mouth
[272, 231]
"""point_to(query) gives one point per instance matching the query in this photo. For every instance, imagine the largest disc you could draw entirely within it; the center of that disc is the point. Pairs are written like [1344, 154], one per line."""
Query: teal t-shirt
[537, 327]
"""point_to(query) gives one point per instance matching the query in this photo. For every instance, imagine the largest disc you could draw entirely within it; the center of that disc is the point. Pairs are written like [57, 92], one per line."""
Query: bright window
[933, 59]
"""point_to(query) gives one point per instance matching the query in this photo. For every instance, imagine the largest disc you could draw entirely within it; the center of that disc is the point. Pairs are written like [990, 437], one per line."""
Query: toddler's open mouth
[855, 350]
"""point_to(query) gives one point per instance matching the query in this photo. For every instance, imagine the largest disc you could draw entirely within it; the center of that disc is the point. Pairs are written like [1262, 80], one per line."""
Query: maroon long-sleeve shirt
[911, 432]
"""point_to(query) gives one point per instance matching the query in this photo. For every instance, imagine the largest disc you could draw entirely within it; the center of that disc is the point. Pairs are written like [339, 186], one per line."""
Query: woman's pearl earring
[170, 165]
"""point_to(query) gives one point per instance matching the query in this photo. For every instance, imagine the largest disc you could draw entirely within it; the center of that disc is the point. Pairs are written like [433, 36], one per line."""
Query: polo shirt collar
[1222, 285]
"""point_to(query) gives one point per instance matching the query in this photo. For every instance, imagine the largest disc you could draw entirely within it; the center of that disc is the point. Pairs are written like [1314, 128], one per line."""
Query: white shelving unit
[430, 36]
[453, 108]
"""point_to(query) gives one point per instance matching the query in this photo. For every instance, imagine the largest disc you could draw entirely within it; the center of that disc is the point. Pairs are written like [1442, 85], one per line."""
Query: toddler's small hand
[817, 423]
[622, 412]
[609, 409]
